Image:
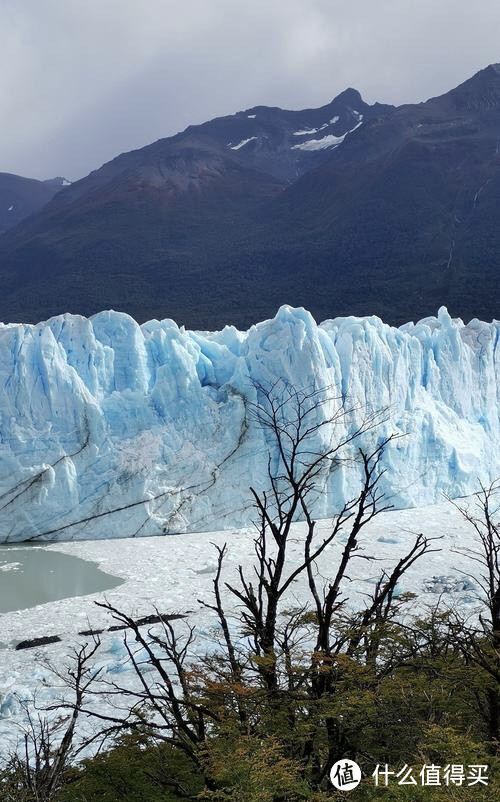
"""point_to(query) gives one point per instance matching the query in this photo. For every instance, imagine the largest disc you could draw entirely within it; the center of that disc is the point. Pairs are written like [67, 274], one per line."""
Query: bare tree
[310, 435]
[482, 645]
[36, 771]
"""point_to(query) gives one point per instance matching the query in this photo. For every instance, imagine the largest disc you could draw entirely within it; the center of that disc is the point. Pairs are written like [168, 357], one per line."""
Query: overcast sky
[83, 80]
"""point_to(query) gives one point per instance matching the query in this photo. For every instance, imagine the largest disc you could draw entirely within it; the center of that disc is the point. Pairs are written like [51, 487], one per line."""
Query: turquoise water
[30, 575]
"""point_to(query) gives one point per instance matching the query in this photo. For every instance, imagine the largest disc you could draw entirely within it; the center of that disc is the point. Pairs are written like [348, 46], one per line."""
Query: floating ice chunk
[449, 584]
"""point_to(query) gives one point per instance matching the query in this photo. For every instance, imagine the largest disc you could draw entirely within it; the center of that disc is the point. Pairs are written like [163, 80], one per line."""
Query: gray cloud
[83, 80]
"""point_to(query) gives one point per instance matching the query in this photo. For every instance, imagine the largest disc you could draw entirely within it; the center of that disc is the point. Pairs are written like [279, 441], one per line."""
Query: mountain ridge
[348, 208]
[21, 197]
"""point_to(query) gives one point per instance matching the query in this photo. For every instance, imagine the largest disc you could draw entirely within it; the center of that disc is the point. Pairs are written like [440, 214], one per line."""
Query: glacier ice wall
[111, 429]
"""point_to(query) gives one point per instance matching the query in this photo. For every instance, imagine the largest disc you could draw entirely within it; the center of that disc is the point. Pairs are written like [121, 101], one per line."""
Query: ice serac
[111, 429]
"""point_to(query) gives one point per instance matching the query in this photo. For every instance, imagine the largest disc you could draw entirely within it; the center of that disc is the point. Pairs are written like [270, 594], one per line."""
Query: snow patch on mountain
[307, 131]
[112, 429]
[328, 141]
[242, 143]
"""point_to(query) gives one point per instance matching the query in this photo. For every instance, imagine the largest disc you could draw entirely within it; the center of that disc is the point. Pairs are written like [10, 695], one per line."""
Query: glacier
[109, 428]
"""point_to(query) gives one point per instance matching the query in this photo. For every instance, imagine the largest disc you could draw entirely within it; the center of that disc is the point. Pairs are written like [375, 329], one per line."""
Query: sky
[84, 80]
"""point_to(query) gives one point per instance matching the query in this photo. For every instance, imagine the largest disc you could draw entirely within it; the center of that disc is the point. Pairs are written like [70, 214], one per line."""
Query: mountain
[349, 208]
[406, 213]
[144, 232]
[111, 429]
[20, 197]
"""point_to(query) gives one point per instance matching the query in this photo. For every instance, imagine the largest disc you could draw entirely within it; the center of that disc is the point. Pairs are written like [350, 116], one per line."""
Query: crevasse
[111, 429]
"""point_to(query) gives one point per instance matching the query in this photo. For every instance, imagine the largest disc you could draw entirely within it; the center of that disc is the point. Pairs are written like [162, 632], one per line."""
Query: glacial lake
[30, 575]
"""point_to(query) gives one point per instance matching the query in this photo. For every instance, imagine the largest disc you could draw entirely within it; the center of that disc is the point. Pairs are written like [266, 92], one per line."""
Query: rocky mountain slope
[20, 197]
[345, 209]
